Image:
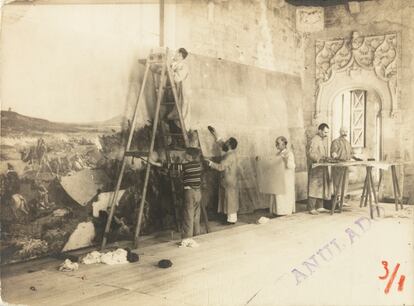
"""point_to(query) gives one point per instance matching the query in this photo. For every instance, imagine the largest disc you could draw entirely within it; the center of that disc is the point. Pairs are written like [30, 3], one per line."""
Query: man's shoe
[321, 210]
[313, 212]
[346, 204]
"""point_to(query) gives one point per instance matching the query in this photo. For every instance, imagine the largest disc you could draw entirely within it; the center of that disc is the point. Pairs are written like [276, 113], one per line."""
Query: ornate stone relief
[309, 19]
[375, 53]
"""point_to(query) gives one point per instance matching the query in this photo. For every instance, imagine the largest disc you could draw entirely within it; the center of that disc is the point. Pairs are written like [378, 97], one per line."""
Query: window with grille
[349, 110]
[357, 124]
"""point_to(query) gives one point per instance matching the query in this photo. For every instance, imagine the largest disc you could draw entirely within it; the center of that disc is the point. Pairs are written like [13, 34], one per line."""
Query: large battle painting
[57, 180]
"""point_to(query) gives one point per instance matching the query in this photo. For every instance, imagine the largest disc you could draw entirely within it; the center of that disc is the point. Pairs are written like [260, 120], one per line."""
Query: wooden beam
[162, 22]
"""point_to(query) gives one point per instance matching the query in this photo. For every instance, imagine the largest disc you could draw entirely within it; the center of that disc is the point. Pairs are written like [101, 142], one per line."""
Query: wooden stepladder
[158, 64]
[369, 193]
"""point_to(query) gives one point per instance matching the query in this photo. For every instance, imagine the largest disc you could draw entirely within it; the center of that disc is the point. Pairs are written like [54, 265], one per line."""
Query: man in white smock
[284, 204]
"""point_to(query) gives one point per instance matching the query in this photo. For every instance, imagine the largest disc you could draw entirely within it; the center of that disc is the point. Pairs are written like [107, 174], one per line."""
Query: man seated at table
[319, 182]
[341, 150]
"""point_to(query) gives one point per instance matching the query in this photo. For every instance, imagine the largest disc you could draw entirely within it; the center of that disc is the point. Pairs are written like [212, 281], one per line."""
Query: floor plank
[248, 264]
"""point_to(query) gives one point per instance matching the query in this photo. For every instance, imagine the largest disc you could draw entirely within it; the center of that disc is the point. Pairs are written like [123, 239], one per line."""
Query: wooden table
[368, 192]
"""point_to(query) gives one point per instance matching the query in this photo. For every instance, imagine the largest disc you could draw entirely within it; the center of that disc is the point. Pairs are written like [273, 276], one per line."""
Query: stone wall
[254, 32]
[374, 18]
[224, 29]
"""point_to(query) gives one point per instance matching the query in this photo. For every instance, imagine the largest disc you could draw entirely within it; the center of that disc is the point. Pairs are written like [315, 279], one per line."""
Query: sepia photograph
[207, 152]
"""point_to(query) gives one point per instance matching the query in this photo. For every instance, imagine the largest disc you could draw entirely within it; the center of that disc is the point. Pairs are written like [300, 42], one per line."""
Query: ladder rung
[153, 59]
[173, 134]
[165, 87]
[168, 103]
[136, 153]
[176, 148]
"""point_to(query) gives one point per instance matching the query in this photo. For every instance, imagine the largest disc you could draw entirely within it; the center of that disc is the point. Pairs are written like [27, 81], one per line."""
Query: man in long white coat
[319, 184]
[284, 204]
[229, 187]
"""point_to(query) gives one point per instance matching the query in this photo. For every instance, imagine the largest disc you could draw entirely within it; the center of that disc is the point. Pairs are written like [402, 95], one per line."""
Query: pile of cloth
[263, 220]
[119, 256]
[68, 266]
[188, 243]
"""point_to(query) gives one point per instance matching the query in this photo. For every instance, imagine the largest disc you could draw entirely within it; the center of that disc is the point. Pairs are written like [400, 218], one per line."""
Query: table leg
[369, 195]
[381, 174]
[344, 174]
[364, 192]
[367, 191]
[397, 185]
[336, 195]
[393, 175]
[373, 191]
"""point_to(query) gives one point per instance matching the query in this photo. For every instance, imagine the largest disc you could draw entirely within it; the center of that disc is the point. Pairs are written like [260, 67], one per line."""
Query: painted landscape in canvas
[56, 183]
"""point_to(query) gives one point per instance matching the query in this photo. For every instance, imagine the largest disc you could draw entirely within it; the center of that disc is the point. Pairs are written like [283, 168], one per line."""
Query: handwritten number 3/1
[393, 275]
[385, 264]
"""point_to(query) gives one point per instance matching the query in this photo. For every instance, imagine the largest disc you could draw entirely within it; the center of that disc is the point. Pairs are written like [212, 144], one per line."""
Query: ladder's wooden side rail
[168, 158]
[127, 147]
[154, 131]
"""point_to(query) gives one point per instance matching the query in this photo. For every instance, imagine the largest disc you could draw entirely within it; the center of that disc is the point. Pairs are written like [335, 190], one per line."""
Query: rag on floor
[114, 258]
[262, 220]
[118, 256]
[188, 243]
[91, 258]
[68, 266]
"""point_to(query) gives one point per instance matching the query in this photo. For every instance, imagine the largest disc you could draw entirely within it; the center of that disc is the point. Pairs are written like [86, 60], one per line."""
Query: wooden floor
[244, 265]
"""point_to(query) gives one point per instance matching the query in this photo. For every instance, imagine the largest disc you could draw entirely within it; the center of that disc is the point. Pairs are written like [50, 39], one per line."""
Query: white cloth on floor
[188, 243]
[114, 258]
[68, 266]
[262, 220]
[92, 258]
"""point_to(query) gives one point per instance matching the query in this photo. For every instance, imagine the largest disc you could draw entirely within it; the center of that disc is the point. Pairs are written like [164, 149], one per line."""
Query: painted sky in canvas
[73, 63]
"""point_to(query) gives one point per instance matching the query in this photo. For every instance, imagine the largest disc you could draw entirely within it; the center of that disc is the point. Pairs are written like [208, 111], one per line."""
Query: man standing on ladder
[181, 77]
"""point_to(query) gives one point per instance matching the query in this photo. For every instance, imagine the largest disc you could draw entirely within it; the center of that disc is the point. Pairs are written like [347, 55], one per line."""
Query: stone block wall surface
[264, 34]
[375, 18]
[254, 32]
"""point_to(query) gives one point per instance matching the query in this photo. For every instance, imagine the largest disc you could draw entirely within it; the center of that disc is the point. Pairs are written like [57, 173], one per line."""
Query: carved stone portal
[374, 53]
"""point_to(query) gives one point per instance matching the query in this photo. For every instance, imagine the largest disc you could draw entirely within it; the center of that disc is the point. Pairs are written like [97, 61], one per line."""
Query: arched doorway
[370, 64]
